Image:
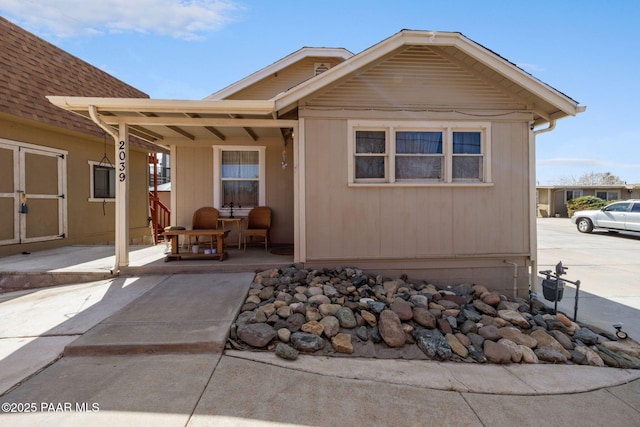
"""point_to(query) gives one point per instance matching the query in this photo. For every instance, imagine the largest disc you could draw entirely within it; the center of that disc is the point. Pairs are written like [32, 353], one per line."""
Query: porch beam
[187, 121]
[210, 129]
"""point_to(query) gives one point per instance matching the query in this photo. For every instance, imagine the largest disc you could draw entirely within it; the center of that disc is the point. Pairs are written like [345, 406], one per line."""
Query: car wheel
[585, 225]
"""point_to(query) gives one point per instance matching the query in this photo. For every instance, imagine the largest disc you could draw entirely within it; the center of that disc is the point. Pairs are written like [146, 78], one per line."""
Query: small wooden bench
[174, 235]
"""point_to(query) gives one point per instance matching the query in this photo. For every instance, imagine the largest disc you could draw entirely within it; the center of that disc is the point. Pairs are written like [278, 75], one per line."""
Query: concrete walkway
[148, 351]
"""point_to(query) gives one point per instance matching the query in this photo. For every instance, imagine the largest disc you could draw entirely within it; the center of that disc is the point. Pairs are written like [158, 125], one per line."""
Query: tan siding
[193, 184]
[417, 76]
[412, 223]
[100, 228]
[283, 80]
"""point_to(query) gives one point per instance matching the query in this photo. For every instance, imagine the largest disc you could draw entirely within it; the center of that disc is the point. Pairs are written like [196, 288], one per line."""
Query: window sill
[91, 199]
[422, 184]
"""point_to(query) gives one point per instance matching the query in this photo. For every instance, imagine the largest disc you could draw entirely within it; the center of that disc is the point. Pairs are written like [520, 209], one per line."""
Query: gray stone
[484, 308]
[375, 335]
[363, 333]
[376, 306]
[346, 318]
[432, 343]
[471, 314]
[551, 355]
[305, 342]
[256, 334]
[585, 335]
[563, 339]
[295, 322]
[286, 351]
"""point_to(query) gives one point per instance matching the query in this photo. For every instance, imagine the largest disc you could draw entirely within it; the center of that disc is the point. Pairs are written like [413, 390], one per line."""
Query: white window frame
[92, 197]
[576, 194]
[217, 177]
[608, 193]
[446, 127]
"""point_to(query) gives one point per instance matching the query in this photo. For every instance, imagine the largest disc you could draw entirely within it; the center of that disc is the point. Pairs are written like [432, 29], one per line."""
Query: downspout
[93, 112]
[552, 126]
[515, 277]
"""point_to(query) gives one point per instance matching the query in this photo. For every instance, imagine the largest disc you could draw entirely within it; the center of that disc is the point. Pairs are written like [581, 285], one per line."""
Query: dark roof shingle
[32, 68]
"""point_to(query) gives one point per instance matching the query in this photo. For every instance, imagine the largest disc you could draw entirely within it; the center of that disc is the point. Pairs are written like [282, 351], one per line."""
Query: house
[57, 170]
[414, 156]
[552, 199]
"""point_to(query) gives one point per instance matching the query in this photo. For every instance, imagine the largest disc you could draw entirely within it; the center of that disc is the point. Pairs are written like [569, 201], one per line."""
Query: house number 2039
[122, 166]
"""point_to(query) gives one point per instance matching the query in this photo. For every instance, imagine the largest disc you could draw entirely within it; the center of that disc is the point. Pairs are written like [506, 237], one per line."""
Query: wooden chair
[258, 224]
[205, 219]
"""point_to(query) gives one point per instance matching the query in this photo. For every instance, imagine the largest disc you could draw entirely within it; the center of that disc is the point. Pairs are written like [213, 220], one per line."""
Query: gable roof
[167, 122]
[31, 68]
[339, 54]
[548, 103]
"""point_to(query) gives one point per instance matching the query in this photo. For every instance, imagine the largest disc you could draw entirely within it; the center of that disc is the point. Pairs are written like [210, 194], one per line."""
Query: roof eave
[568, 107]
[285, 62]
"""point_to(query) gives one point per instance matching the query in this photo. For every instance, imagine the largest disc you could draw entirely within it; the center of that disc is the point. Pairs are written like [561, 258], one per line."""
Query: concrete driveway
[608, 267]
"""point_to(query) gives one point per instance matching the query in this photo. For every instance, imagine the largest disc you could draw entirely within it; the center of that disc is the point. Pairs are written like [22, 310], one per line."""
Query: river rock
[517, 337]
[369, 318]
[256, 334]
[514, 317]
[390, 329]
[402, 309]
[313, 327]
[342, 343]
[306, 342]
[286, 351]
[456, 346]
[346, 318]
[496, 353]
[432, 343]
[331, 326]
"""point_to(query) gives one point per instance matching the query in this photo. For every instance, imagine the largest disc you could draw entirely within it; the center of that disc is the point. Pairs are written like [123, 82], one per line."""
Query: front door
[32, 193]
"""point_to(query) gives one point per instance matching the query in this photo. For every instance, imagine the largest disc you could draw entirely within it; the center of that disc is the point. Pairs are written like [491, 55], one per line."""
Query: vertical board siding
[193, 169]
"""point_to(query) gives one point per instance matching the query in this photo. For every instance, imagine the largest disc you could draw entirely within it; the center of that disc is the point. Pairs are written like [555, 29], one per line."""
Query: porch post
[299, 197]
[122, 198]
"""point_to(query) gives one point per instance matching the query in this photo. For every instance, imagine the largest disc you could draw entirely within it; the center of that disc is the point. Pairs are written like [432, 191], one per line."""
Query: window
[103, 182]
[572, 194]
[608, 195]
[418, 153]
[239, 178]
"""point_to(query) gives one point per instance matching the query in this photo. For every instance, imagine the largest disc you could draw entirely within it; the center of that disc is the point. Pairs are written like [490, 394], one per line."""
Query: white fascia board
[430, 38]
[73, 103]
[285, 62]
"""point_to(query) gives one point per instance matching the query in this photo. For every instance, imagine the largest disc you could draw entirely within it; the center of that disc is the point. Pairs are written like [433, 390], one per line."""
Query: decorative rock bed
[346, 312]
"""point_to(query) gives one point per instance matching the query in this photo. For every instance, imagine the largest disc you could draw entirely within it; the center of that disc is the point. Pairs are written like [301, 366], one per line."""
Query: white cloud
[577, 162]
[182, 19]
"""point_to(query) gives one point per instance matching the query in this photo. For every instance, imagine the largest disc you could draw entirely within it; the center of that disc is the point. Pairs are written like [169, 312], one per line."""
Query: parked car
[618, 216]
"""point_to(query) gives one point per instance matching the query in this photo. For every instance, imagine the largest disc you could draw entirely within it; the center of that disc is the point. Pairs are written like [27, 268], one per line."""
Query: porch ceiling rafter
[176, 129]
[210, 129]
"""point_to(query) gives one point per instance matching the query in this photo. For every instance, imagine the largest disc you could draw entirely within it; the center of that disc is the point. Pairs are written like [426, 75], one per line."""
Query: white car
[618, 216]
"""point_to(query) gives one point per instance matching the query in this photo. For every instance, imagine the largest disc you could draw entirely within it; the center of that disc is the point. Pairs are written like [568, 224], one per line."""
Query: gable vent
[320, 67]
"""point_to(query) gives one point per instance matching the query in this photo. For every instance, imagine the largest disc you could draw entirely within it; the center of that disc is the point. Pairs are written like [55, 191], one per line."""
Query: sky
[189, 49]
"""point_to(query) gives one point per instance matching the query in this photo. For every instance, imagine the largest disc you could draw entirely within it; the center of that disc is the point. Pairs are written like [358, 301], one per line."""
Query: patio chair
[205, 218]
[258, 224]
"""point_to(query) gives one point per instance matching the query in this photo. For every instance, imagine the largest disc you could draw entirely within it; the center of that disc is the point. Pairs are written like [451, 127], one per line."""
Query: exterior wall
[447, 234]
[193, 184]
[87, 223]
[283, 80]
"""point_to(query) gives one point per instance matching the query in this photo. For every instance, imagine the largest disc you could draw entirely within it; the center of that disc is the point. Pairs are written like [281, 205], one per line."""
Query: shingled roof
[32, 68]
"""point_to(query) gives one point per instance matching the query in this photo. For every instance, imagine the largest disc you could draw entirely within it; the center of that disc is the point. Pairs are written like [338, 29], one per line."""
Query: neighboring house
[414, 156]
[56, 174]
[552, 199]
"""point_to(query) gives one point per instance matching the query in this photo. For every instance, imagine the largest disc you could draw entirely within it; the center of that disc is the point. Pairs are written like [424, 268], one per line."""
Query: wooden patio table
[174, 235]
[238, 220]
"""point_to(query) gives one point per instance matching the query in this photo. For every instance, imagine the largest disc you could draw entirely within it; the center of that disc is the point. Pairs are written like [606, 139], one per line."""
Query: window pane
[370, 141]
[419, 142]
[241, 193]
[466, 143]
[409, 167]
[240, 164]
[370, 167]
[104, 180]
[467, 167]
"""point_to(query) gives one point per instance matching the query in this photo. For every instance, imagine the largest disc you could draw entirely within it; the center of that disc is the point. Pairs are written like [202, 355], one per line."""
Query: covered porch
[199, 135]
